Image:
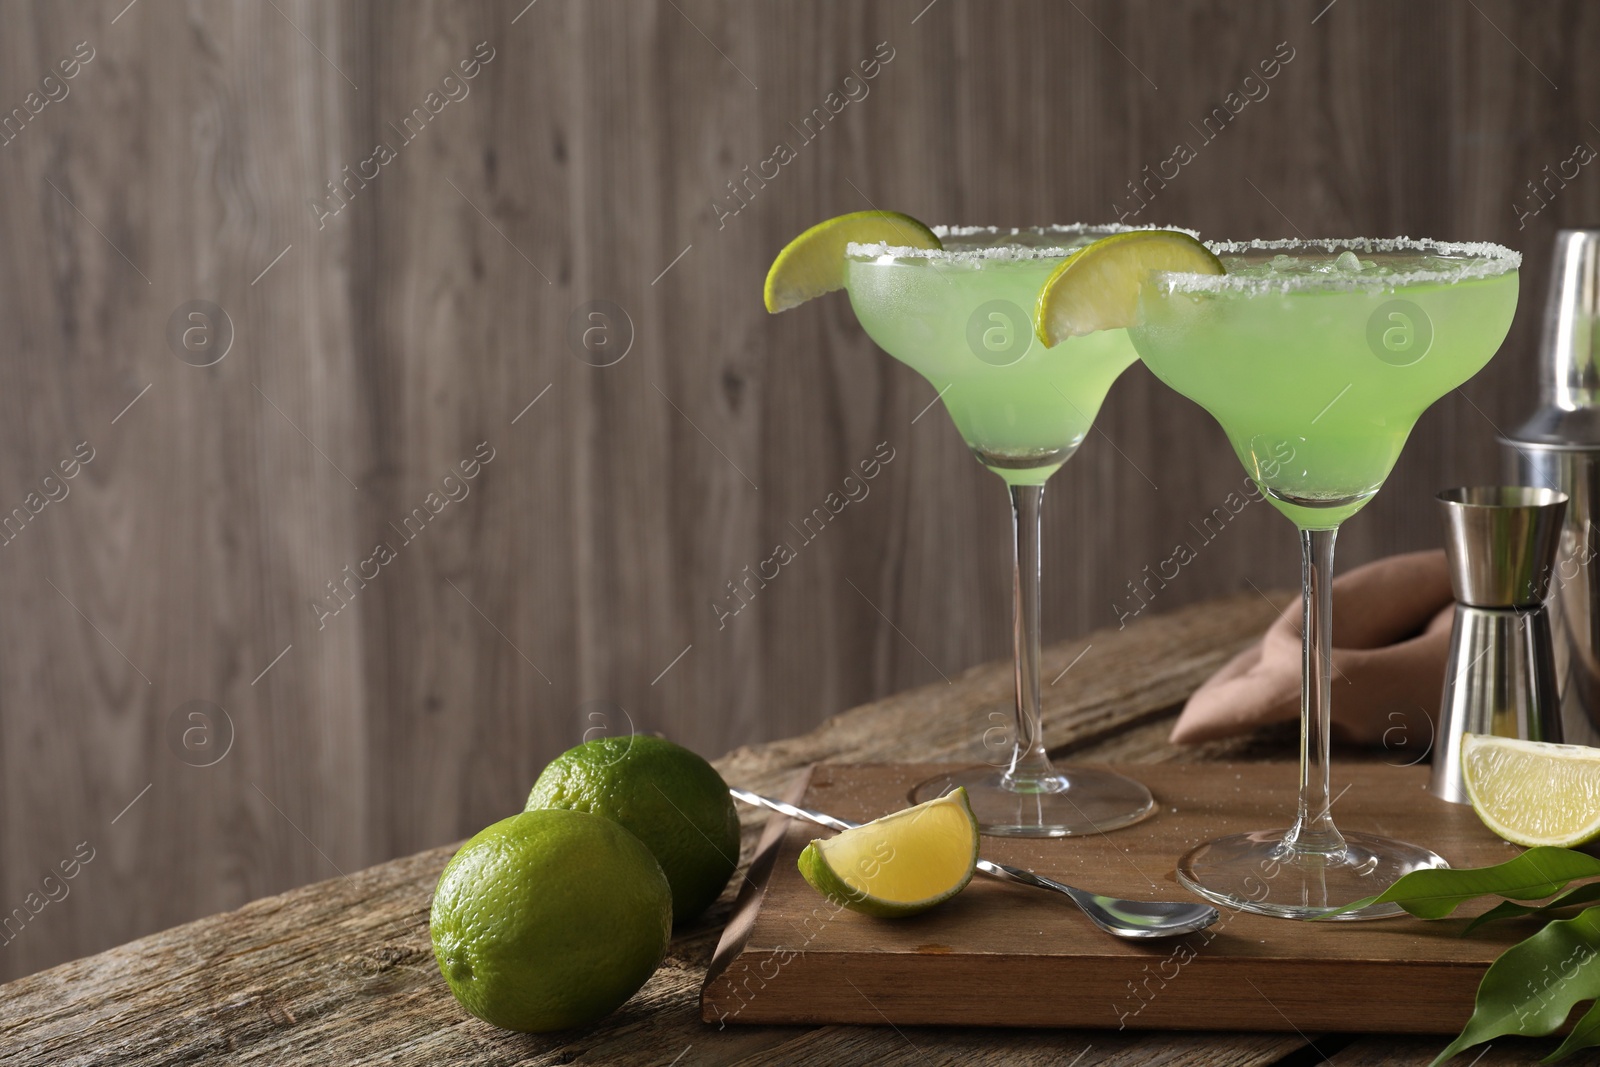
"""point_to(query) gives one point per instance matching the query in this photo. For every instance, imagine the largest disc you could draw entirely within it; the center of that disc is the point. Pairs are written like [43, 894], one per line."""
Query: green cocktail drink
[1317, 358]
[1317, 366]
[962, 317]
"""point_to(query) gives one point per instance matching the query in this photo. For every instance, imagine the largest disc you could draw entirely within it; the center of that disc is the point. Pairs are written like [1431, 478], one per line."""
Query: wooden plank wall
[387, 323]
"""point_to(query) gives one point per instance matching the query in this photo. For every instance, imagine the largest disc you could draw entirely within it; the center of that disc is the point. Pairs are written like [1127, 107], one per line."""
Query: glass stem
[1313, 829]
[1029, 763]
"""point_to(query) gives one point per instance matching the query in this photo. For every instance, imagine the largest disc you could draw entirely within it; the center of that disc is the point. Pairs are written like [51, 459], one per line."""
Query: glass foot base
[1079, 800]
[1258, 872]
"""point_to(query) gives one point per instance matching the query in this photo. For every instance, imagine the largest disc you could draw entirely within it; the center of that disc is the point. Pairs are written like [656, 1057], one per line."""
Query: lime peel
[1097, 287]
[813, 263]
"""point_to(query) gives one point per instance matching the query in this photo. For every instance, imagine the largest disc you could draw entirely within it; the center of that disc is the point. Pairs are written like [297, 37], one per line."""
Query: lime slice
[1097, 287]
[1533, 792]
[813, 263]
[901, 864]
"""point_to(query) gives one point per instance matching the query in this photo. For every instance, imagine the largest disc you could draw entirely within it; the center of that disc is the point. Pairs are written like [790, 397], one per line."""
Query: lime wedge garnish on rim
[901, 864]
[1533, 792]
[813, 263]
[1097, 287]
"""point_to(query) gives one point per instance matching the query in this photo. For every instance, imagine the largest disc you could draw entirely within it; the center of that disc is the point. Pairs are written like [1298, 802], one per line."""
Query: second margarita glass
[1317, 358]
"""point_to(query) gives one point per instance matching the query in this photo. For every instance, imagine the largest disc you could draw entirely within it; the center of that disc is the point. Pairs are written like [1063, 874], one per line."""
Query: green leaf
[1436, 892]
[1531, 989]
[1586, 1034]
[1587, 893]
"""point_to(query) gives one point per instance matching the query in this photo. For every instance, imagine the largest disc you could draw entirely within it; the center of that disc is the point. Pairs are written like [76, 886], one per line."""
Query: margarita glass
[962, 316]
[1317, 357]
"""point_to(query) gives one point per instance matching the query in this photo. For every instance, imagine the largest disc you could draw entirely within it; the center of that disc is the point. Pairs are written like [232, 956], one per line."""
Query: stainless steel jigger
[1501, 542]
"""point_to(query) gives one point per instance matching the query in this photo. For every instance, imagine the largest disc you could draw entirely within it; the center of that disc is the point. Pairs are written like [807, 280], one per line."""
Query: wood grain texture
[343, 970]
[376, 345]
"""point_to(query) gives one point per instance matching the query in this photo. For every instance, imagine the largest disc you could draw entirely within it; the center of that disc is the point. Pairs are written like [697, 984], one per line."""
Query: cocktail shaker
[1559, 448]
[1500, 541]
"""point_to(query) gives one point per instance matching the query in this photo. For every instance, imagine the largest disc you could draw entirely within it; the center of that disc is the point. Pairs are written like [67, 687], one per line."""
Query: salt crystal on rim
[1482, 259]
[1013, 249]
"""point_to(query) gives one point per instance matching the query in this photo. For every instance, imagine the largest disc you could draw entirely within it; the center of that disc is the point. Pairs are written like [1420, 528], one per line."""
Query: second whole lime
[666, 795]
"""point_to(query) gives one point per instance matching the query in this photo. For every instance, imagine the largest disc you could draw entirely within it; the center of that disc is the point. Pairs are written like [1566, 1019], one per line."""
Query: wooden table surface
[342, 972]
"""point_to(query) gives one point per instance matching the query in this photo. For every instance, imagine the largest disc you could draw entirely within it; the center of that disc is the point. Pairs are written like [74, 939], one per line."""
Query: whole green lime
[670, 798]
[550, 919]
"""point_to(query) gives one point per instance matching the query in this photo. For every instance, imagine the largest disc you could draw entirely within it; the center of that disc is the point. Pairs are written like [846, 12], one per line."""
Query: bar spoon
[1137, 919]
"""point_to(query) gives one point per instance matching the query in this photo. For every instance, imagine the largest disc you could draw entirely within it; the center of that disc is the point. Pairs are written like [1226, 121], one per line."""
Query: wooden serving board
[1007, 955]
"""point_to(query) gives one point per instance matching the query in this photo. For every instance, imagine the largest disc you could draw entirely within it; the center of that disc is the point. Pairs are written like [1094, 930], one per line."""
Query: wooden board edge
[917, 993]
[748, 903]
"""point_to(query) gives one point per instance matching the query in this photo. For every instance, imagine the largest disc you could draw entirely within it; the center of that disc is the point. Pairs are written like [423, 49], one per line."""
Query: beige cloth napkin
[1391, 637]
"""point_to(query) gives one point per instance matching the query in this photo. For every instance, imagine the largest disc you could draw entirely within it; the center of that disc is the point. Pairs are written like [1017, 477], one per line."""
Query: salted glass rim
[1064, 238]
[1480, 260]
